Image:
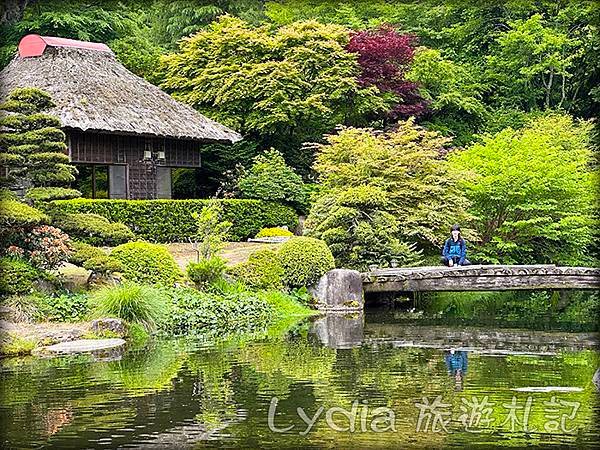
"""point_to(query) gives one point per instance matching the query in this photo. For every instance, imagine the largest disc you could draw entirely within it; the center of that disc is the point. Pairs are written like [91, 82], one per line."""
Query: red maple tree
[384, 56]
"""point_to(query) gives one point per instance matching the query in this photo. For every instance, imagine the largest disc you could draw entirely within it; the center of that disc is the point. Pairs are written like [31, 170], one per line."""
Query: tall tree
[385, 56]
[400, 175]
[32, 146]
[532, 191]
[279, 87]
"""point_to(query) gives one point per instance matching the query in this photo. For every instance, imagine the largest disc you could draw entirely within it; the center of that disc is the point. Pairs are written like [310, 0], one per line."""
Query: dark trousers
[445, 261]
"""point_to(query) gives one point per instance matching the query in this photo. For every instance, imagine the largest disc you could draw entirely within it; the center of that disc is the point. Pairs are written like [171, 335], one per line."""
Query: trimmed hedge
[171, 220]
[14, 214]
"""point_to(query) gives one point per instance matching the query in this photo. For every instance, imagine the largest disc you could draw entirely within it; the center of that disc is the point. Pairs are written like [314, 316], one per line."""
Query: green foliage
[263, 270]
[17, 276]
[143, 262]
[383, 193]
[454, 92]
[531, 63]
[171, 220]
[23, 308]
[135, 303]
[32, 147]
[15, 215]
[271, 179]
[212, 230]
[304, 260]
[359, 230]
[532, 192]
[195, 312]
[206, 271]
[83, 252]
[66, 307]
[103, 265]
[278, 87]
[93, 229]
[15, 345]
[7, 194]
[140, 55]
[46, 194]
[274, 232]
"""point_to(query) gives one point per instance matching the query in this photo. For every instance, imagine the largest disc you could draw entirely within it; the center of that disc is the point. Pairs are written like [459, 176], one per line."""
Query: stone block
[339, 289]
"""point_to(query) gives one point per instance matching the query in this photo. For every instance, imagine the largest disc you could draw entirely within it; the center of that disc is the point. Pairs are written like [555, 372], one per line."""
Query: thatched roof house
[111, 116]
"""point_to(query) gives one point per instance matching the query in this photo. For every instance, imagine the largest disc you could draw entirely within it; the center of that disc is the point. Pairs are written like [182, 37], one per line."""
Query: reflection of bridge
[480, 278]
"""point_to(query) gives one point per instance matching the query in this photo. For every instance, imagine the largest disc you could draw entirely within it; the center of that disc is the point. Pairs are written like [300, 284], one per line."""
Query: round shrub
[93, 229]
[274, 231]
[83, 252]
[135, 303]
[263, 270]
[304, 260]
[147, 263]
[17, 276]
[14, 214]
[206, 271]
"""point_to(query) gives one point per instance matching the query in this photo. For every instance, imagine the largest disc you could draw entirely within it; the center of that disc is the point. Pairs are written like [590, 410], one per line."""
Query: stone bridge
[480, 278]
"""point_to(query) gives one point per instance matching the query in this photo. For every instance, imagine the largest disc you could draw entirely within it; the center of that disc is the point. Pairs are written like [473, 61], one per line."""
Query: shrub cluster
[14, 214]
[299, 262]
[194, 311]
[45, 247]
[206, 271]
[17, 276]
[144, 262]
[93, 229]
[45, 194]
[171, 220]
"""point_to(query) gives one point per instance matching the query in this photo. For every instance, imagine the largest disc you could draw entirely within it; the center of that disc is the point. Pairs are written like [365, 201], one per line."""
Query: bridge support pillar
[339, 290]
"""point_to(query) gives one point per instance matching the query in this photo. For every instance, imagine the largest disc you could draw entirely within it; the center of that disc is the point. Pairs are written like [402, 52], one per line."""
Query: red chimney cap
[34, 45]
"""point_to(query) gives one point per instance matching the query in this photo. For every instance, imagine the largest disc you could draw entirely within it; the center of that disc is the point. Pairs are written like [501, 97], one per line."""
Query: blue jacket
[458, 248]
[456, 361]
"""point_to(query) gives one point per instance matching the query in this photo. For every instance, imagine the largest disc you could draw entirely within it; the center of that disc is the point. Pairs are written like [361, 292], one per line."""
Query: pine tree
[32, 146]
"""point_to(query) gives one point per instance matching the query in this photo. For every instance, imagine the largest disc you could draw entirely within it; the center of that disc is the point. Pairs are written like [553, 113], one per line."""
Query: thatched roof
[94, 92]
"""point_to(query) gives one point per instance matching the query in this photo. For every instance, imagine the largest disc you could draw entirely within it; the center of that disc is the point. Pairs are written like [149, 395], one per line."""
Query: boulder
[114, 327]
[339, 290]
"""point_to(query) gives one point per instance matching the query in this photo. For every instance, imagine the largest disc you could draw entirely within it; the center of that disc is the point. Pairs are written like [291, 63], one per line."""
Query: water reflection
[456, 362]
[193, 394]
[340, 331]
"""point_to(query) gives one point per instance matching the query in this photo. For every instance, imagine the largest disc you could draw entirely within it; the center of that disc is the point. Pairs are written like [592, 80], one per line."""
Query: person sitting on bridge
[455, 249]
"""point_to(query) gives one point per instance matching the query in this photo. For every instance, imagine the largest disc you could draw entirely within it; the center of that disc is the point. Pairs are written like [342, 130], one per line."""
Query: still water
[338, 382]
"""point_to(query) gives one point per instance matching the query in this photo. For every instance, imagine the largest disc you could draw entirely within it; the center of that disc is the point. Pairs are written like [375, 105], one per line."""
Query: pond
[364, 381]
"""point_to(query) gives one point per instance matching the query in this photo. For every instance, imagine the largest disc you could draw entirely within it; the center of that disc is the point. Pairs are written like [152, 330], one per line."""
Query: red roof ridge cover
[34, 45]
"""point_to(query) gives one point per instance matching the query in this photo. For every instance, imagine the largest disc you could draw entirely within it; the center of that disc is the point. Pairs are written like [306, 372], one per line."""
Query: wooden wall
[113, 149]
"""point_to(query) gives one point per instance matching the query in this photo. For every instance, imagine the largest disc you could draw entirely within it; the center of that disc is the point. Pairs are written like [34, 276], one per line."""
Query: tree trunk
[549, 88]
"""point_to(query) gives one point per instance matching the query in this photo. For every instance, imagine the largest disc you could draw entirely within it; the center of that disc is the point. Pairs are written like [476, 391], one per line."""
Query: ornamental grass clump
[132, 302]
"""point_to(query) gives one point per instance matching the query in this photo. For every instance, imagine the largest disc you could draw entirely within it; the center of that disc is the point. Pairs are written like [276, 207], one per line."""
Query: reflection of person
[455, 249]
[456, 362]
